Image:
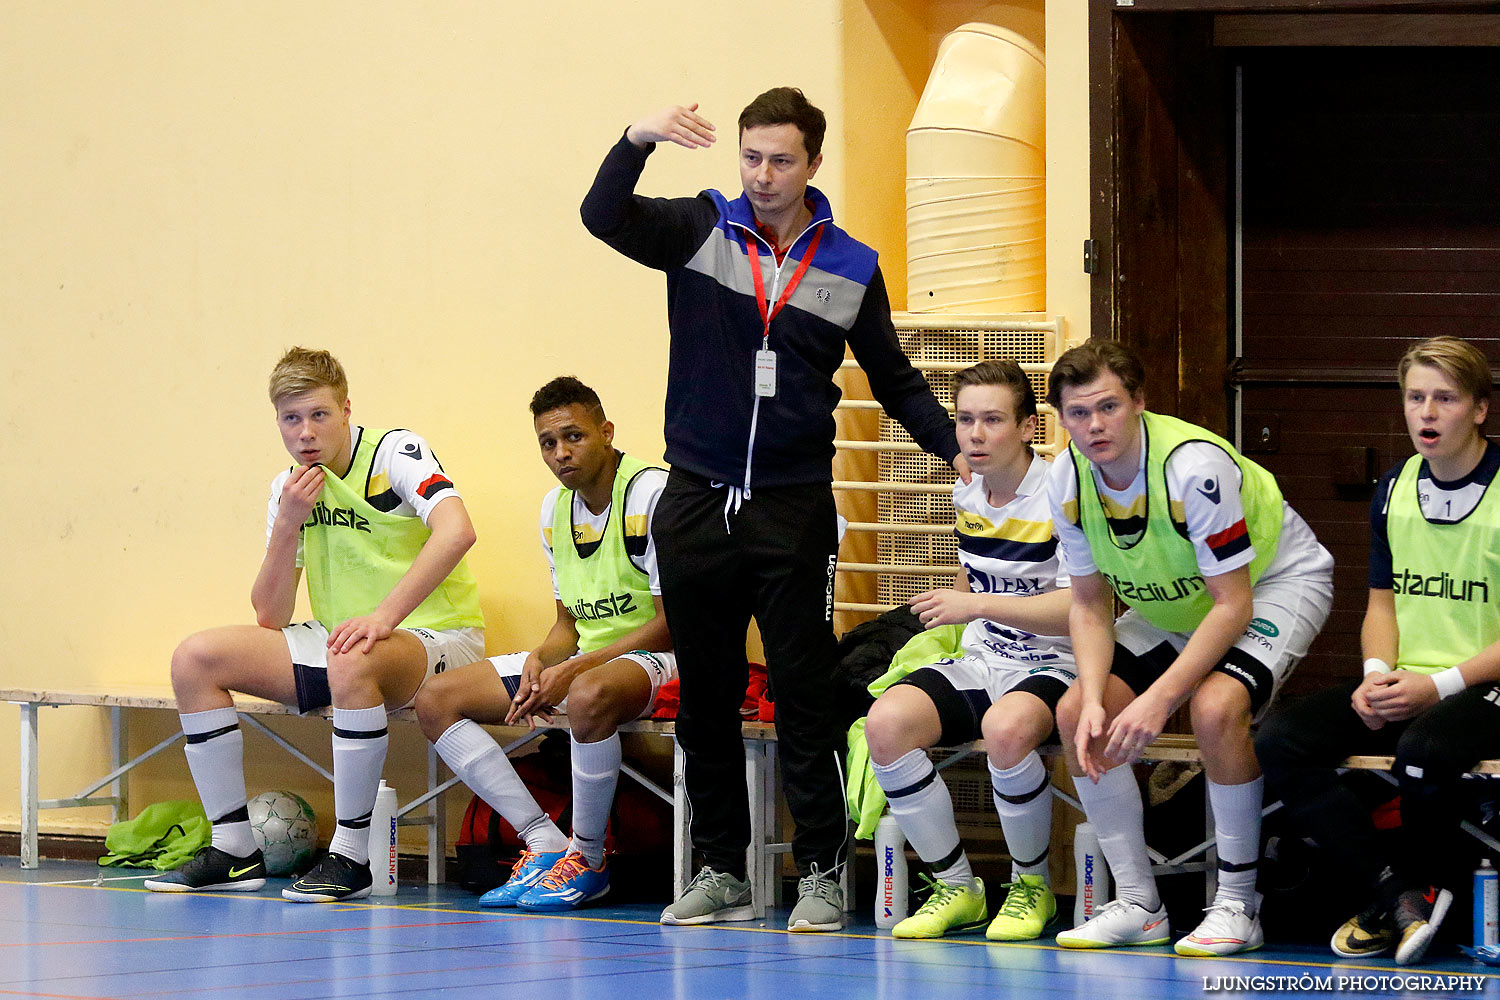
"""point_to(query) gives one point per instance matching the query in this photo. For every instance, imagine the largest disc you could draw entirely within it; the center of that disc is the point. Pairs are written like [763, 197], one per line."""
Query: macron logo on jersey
[412, 450]
[1210, 489]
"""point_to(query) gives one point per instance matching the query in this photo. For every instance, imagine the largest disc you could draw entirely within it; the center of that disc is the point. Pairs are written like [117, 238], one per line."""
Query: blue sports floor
[62, 934]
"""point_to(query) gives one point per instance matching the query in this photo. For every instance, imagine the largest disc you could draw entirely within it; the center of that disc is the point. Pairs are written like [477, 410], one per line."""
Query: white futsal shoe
[1118, 924]
[1228, 927]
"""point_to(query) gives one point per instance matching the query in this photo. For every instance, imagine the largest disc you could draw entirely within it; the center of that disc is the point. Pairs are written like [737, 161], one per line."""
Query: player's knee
[1420, 757]
[1006, 739]
[590, 700]
[1069, 708]
[888, 731]
[438, 705]
[193, 659]
[351, 675]
[1220, 713]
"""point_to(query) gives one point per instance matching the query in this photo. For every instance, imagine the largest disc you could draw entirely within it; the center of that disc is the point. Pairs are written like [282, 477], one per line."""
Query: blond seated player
[381, 531]
[1431, 642]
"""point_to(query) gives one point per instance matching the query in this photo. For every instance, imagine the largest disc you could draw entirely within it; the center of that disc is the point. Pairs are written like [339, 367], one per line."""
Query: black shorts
[961, 710]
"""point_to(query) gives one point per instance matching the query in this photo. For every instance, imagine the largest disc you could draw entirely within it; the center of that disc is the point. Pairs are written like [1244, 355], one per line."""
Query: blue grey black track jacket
[716, 329]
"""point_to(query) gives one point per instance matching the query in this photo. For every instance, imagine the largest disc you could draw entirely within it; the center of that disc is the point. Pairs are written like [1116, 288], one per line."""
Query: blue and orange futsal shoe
[527, 871]
[571, 882]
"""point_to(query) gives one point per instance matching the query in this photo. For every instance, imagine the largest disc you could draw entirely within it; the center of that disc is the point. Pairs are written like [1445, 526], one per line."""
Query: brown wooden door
[1370, 218]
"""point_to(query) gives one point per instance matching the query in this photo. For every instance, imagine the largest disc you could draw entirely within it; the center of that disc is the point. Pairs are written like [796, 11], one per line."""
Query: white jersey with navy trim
[1010, 550]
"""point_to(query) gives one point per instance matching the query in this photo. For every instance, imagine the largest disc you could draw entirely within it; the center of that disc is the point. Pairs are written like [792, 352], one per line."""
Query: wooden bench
[761, 776]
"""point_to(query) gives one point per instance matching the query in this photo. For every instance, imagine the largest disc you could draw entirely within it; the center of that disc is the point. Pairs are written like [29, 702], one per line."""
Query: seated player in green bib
[1431, 643]
[381, 532]
[1225, 588]
[1016, 663]
[603, 662]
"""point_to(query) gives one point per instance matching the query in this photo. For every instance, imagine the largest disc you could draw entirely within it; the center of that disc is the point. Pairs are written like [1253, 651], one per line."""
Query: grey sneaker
[711, 897]
[820, 903]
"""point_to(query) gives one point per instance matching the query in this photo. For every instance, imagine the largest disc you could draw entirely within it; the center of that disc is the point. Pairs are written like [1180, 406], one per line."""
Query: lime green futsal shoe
[948, 908]
[1028, 908]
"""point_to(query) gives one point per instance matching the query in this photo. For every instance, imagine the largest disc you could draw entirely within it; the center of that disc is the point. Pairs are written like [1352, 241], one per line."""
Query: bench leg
[770, 775]
[437, 829]
[757, 862]
[119, 727]
[682, 842]
[28, 785]
[1211, 855]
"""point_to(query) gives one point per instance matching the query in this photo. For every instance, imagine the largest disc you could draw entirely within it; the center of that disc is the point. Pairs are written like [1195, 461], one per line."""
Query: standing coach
[763, 292]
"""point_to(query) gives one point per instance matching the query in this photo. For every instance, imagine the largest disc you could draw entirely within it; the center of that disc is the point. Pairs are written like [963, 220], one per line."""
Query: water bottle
[1486, 905]
[890, 873]
[383, 842]
[1092, 874]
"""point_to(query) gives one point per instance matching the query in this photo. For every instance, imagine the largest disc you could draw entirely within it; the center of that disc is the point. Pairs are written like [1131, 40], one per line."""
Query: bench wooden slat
[161, 697]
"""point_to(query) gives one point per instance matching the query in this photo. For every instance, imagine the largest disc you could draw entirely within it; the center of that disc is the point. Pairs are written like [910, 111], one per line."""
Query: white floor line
[100, 880]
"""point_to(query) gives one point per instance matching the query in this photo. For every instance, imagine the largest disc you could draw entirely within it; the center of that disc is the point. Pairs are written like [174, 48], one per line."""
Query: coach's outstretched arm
[660, 233]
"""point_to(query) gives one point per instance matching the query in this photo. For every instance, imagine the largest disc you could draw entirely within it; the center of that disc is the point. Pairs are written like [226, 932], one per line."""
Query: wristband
[1449, 682]
[1375, 665]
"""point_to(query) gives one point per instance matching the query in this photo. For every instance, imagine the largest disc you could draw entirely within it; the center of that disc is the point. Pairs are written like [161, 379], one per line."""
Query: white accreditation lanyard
[765, 358]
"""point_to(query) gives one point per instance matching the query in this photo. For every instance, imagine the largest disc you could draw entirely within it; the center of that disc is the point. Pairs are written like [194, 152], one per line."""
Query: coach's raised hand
[680, 124]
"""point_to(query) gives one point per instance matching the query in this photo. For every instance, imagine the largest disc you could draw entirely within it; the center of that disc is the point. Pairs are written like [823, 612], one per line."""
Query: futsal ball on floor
[285, 830]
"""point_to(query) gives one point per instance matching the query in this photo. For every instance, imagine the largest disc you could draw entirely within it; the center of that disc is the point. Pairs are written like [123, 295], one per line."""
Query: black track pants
[774, 561]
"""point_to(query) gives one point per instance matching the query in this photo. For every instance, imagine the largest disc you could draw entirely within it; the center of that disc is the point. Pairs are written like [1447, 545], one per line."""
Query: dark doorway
[1370, 218]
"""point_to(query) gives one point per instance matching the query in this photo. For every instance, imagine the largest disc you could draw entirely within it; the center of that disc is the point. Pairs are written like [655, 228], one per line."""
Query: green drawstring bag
[164, 836]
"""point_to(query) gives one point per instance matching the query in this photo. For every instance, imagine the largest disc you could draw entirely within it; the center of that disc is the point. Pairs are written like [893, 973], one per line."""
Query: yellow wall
[190, 188]
[889, 48]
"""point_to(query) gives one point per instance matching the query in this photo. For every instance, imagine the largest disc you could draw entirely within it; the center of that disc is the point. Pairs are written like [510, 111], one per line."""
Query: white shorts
[1286, 616]
[659, 667]
[997, 676]
[308, 644]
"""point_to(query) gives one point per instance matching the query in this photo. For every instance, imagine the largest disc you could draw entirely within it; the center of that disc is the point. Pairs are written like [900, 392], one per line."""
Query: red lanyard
[752, 245]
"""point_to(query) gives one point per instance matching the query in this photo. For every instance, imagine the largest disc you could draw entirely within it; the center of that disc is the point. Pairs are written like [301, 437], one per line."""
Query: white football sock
[474, 756]
[1114, 808]
[360, 740]
[216, 759]
[1237, 830]
[1023, 799]
[596, 772]
[920, 802]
